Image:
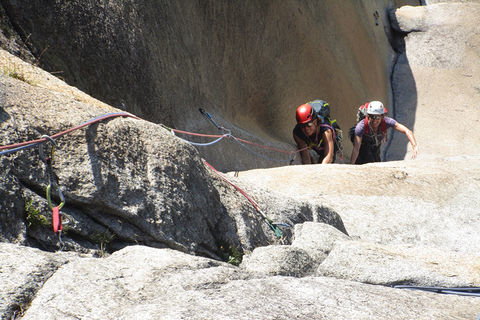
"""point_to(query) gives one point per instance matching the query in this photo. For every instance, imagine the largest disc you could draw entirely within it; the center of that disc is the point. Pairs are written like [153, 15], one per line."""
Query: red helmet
[305, 113]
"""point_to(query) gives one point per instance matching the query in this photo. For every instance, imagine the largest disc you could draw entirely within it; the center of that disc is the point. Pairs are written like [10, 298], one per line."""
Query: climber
[313, 134]
[371, 132]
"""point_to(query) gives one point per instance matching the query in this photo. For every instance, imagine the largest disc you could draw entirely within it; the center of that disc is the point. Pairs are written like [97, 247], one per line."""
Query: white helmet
[375, 107]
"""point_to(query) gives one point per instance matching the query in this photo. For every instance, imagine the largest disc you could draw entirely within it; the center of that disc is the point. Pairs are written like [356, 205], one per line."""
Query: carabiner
[41, 152]
[60, 195]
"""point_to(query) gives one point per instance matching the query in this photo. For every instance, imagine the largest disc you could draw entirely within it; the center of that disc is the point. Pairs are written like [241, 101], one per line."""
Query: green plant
[33, 215]
[231, 254]
[16, 73]
[103, 239]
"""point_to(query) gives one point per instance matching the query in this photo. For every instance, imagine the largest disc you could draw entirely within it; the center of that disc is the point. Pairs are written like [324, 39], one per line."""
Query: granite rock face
[435, 81]
[125, 180]
[250, 64]
[149, 226]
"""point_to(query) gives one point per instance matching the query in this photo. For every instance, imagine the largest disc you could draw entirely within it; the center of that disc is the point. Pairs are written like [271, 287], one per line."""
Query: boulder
[279, 260]
[317, 239]
[400, 265]
[409, 19]
[426, 203]
[149, 283]
[24, 270]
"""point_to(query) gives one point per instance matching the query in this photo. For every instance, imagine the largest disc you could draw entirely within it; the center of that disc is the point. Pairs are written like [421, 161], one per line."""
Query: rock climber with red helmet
[311, 134]
[371, 132]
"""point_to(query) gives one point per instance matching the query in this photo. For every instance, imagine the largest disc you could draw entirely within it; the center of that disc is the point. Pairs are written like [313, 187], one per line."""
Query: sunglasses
[308, 124]
[375, 117]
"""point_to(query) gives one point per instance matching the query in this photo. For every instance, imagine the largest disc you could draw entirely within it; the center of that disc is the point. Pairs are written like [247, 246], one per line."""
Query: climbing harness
[273, 226]
[474, 291]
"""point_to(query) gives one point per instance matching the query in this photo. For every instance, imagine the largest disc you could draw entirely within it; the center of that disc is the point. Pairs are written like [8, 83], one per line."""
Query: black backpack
[322, 110]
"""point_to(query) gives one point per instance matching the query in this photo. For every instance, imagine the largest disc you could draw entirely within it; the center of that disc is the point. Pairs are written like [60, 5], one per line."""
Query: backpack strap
[383, 127]
[366, 126]
[334, 135]
[324, 125]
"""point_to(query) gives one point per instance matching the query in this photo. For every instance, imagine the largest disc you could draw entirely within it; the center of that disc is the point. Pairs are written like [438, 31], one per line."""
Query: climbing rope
[210, 118]
[245, 147]
[273, 226]
[474, 291]
[53, 184]
[27, 144]
[242, 142]
[205, 144]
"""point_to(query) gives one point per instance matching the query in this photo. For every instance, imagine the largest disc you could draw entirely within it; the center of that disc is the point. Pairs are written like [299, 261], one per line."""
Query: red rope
[101, 118]
[242, 140]
[59, 134]
[254, 204]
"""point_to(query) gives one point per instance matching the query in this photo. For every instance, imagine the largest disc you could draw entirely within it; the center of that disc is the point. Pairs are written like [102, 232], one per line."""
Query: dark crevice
[86, 209]
[18, 30]
[397, 42]
[119, 241]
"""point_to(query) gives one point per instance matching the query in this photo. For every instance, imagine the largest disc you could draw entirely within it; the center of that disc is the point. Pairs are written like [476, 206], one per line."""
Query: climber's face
[309, 128]
[375, 120]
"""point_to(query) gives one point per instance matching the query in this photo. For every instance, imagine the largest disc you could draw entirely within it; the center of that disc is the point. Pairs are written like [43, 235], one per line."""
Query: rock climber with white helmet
[371, 132]
[311, 134]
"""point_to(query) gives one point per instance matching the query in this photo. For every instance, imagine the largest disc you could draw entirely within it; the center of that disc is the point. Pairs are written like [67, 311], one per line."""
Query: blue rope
[203, 144]
[474, 291]
[19, 148]
[259, 154]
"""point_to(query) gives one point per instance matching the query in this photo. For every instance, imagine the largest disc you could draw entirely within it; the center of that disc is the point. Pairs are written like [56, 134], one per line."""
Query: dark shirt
[371, 141]
[315, 143]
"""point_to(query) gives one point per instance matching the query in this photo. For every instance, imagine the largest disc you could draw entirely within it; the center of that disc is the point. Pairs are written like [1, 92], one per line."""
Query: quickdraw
[47, 158]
